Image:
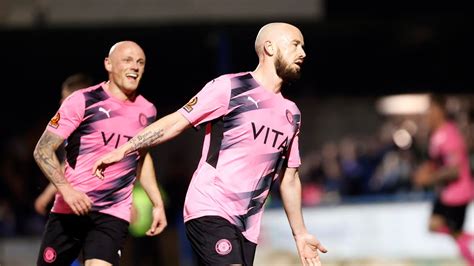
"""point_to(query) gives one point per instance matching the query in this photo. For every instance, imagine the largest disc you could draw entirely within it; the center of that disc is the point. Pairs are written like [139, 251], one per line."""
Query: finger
[311, 261]
[88, 202]
[99, 173]
[79, 208]
[160, 228]
[84, 206]
[98, 169]
[322, 248]
[95, 167]
[74, 209]
[315, 261]
[153, 226]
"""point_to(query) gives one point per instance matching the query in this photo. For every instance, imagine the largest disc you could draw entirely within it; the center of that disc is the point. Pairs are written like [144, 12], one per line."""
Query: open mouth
[132, 76]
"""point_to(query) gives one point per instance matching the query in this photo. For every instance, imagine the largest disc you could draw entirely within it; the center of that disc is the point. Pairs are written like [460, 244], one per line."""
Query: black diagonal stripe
[72, 148]
[242, 84]
[95, 96]
[110, 195]
[217, 133]
[256, 203]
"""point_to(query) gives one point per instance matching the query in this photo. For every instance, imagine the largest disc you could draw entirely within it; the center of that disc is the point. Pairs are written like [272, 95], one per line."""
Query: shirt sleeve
[294, 159]
[452, 150]
[69, 115]
[209, 103]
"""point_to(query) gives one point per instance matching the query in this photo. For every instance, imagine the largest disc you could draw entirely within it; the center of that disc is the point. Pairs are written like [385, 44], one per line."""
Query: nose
[302, 52]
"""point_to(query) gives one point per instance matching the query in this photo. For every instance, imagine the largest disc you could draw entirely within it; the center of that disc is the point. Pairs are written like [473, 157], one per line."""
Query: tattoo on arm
[146, 140]
[46, 158]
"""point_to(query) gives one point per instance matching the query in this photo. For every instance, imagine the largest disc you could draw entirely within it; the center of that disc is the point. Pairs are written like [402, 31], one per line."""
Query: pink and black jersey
[251, 134]
[94, 123]
[447, 148]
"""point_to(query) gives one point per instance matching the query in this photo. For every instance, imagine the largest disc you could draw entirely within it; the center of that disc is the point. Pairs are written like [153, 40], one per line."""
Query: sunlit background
[369, 69]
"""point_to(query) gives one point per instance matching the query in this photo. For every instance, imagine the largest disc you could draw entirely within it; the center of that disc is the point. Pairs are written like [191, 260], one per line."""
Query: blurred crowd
[381, 166]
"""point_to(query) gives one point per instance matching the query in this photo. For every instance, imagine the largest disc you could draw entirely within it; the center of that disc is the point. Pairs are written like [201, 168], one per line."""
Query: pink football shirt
[447, 148]
[94, 123]
[251, 134]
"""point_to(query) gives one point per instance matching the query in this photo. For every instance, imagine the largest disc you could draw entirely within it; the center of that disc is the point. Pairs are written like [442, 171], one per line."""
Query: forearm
[47, 160]
[153, 192]
[49, 191]
[148, 181]
[290, 190]
[160, 131]
[446, 174]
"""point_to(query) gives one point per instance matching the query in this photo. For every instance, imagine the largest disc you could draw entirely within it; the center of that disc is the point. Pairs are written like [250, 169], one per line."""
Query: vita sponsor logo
[114, 139]
[270, 135]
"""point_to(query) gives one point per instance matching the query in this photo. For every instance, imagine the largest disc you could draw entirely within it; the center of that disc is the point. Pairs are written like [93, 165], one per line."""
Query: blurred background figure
[448, 171]
[71, 84]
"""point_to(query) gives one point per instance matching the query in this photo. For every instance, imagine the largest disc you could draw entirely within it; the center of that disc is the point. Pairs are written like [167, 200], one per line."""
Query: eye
[127, 60]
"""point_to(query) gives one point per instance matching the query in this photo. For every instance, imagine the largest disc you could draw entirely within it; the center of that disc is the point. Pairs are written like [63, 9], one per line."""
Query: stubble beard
[284, 70]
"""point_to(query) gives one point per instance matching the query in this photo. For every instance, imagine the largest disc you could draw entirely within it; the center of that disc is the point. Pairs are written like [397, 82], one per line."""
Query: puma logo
[107, 112]
[252, 100]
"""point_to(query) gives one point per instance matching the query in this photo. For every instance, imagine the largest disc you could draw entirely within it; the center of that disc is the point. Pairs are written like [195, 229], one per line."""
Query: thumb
[153, 226]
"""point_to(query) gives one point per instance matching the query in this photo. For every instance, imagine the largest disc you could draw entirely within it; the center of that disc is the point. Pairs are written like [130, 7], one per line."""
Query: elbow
[36, 154]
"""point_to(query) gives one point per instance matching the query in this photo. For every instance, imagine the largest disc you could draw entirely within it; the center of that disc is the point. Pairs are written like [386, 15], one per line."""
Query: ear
[268, 48]
[107, 64]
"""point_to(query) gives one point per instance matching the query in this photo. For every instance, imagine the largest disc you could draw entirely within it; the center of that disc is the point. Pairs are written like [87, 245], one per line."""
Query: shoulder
[141, 100]
[226, 78]
[292, 106]
[89, 92]
[145, 104]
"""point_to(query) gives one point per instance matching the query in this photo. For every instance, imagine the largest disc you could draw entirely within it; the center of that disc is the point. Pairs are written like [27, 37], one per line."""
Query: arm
[306, 243]
[446, 174]
[428, 175]
[45, 198]
[49, 164]
[158, 132]
[147, 177]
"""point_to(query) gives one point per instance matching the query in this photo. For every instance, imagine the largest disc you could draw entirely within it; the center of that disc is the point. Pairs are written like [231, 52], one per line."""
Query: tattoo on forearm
[146, 140]
[46, 159]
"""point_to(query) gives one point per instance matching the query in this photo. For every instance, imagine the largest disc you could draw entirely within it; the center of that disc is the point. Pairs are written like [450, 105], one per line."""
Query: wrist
[63, 187]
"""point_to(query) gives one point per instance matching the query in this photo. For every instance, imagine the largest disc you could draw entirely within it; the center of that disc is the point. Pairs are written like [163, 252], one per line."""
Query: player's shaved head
[120, 46]
[271, 32]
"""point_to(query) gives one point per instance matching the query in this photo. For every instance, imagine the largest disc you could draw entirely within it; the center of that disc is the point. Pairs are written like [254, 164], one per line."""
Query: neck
[268, 78]
[119, 93]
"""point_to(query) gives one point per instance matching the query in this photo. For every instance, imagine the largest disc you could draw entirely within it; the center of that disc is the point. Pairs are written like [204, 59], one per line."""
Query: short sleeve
[209, 103]
[69, 115]
[294, 159]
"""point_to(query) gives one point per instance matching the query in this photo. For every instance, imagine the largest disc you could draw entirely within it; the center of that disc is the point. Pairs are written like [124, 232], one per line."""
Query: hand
[422, 175]
[41, 203]
[106, 160]
[159, 221]
[308, 247]
[78, 201]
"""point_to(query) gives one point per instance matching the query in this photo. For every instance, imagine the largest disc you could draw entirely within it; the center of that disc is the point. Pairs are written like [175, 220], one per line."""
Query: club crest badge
[54, 122]
[49, 255]
[142, 120]
[189, 106]
[289, 117]
[223, 247]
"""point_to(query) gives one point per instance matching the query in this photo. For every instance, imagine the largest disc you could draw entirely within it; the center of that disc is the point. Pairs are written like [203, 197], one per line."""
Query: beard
[285, 71]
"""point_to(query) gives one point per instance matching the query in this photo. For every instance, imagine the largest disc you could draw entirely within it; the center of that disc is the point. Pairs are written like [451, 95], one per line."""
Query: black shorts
[98, 235]
[453, 215]
[216, 241]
